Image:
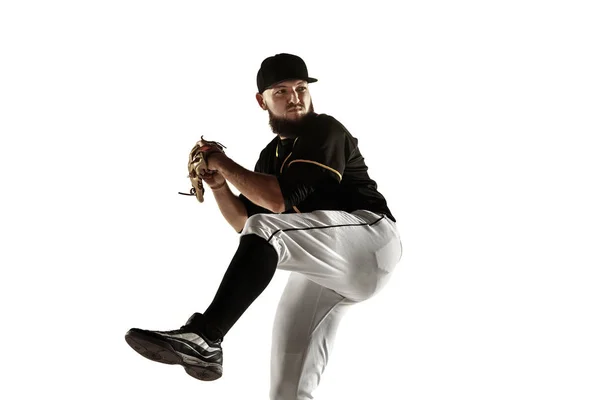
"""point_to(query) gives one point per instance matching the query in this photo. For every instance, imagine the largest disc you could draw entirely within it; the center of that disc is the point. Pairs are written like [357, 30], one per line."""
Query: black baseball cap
[279, 68]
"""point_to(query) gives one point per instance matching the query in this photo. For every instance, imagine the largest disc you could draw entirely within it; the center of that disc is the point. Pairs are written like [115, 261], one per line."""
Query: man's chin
[295, 115]
[292, 124]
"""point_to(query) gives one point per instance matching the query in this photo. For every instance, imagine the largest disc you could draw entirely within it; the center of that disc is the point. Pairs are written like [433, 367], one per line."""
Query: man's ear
[261, 101]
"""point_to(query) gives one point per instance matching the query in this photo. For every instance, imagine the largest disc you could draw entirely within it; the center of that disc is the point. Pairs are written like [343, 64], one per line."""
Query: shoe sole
[161, 351]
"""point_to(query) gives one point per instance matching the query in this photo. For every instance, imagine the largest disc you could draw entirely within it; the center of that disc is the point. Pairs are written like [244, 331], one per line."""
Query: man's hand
[215, 161]
[213, 179]
[198, 168]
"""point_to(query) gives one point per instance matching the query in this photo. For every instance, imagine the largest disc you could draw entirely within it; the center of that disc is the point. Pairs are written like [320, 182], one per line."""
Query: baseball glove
[197, 165]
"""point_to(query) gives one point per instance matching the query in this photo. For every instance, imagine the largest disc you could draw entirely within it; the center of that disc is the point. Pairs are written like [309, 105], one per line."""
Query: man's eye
[280, 91]
[301, 89]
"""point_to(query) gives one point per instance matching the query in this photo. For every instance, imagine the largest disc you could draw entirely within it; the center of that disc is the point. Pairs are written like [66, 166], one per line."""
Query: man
[309, 207]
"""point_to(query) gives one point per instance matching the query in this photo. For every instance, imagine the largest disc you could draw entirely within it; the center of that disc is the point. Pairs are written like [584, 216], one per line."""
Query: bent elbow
[277, 203]
[277, 207]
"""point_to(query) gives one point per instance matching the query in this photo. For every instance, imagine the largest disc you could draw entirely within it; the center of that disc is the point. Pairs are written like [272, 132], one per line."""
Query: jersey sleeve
[318, 158]
[327, 146]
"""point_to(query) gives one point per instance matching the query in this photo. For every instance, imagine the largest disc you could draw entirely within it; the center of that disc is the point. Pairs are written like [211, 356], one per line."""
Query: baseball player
[309, 207]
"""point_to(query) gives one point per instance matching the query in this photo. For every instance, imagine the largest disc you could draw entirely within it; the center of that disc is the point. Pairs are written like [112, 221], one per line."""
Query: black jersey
[321, 169]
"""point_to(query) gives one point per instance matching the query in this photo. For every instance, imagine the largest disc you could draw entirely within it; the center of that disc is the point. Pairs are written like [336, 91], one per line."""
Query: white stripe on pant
[336, 259]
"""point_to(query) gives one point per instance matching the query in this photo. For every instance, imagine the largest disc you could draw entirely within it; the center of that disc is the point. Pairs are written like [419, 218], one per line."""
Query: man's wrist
[220, 186]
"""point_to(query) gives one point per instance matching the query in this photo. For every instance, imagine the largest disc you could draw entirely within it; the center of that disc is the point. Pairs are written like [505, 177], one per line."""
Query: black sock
[249, 273]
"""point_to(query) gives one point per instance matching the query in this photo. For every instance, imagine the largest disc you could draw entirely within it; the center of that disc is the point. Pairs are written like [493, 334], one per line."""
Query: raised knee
[256, 225]
[254, 219]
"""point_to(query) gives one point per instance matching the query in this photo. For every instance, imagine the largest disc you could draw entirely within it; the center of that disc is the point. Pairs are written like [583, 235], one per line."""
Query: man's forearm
[231, 207]
[261, 189]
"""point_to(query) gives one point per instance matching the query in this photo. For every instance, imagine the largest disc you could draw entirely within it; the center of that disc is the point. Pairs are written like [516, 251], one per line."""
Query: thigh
[303, 334]
[350, 253]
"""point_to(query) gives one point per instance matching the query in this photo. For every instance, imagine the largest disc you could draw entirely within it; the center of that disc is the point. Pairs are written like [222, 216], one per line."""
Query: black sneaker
[201, 358]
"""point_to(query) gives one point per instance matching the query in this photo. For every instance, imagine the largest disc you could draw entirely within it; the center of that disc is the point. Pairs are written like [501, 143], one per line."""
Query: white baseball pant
[336, 259]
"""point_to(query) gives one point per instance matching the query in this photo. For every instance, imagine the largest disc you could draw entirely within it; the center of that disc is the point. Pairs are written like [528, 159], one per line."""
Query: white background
[478, 120]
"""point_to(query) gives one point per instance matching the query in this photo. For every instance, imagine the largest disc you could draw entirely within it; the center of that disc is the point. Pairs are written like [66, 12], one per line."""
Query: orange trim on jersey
[320, 165]
[277, 155]
[283, 164]
[296, 209]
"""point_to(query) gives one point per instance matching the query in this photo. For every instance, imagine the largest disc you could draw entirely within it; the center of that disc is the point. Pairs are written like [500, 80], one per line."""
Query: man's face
[289, 100]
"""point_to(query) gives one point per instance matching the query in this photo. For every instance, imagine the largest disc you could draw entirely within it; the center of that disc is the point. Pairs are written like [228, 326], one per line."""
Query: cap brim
[308, 80]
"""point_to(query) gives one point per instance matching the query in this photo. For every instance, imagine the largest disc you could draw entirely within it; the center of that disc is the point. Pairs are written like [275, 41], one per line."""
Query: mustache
[292, 106]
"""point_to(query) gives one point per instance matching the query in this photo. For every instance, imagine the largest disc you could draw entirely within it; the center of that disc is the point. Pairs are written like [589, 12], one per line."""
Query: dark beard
[291, 128]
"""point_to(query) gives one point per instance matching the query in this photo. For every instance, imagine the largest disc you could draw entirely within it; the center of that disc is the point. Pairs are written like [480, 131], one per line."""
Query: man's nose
[294, 98]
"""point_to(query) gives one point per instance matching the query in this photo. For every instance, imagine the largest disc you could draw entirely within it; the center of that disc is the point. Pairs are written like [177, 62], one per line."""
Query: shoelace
[186, 329]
